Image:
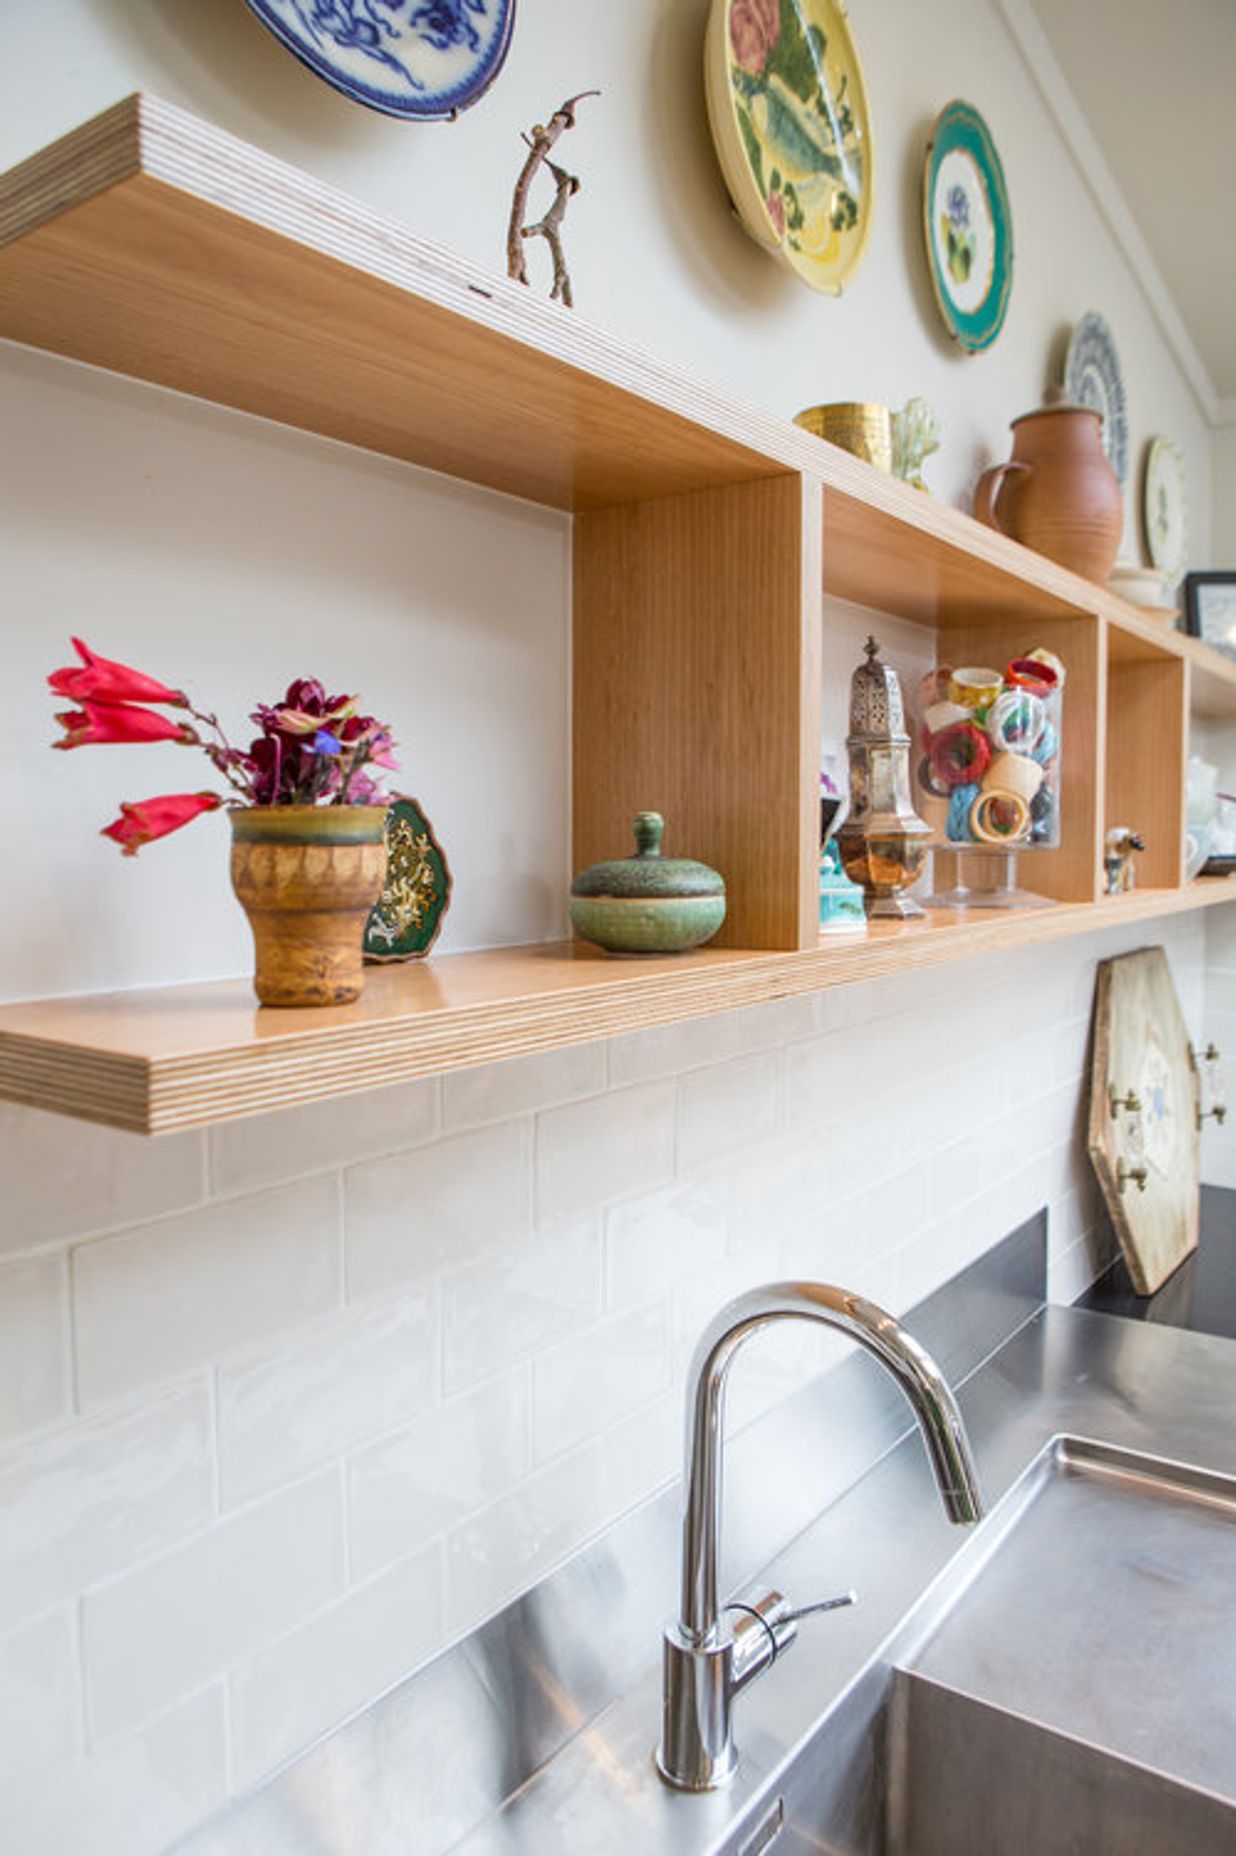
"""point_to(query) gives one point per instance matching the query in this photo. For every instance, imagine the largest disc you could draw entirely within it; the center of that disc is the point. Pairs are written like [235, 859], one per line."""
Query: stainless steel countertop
[1151, 1389]
[489, 1719]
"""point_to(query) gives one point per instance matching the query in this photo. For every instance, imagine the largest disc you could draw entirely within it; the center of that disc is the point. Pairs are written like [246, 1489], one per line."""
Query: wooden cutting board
[1141, 1047]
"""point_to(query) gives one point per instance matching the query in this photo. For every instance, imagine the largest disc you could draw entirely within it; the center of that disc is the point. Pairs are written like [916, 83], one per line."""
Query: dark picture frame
[1210, 608]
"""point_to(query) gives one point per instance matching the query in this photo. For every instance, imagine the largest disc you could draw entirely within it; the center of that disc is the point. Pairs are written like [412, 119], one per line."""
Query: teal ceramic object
[648, 904]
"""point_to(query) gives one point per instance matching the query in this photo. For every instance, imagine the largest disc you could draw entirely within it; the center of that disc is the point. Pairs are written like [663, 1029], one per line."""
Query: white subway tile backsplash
[394, 1467]
[658, 1239]
[727, 1106]
[644, 1452]
[666, 1050]
[592, 1151]
[34, 1344]
[132, 1798]
[498, 1091]
[40, 1699]
[349, 1379]
[161, 1300]
[500, 1552]
[91, 1498]
[582, 1387]
[68, 1179]
[210, 1603]
[261, 1150]
[454, 1460]
[508, 1307]
[416, 1213]
[339, 1661]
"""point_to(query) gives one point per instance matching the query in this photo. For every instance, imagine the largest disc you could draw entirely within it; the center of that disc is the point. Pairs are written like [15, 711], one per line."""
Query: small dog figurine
[1118, 859]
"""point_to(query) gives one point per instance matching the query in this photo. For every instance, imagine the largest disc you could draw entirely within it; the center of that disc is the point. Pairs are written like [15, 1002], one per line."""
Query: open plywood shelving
[706, 534]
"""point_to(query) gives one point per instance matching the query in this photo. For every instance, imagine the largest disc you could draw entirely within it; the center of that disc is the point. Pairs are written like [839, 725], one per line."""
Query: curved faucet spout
[911, 1365]
[705, 1664]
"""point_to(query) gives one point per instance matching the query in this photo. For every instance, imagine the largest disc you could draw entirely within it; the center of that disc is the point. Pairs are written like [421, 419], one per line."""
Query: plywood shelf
[182, 1057]
[155, 245]
[708, 533]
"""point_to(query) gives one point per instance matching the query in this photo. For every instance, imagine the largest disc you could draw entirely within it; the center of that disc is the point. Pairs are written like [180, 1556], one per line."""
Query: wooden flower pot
[307, 877]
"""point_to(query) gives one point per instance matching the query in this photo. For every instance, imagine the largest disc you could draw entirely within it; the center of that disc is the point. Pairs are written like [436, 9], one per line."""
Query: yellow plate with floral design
[788, 106]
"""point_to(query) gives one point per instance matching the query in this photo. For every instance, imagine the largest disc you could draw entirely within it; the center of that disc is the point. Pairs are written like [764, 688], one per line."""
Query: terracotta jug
[1057, 493]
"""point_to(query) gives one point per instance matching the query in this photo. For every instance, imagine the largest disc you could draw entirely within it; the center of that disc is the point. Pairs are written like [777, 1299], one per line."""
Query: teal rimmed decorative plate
[408, 914]
[787, 103]
[968, 227]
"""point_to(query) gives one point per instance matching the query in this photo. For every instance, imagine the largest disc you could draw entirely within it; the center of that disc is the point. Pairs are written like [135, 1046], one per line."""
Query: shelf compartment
[1147, 730]
[151, 244]
[183, 1057]
[696, 670]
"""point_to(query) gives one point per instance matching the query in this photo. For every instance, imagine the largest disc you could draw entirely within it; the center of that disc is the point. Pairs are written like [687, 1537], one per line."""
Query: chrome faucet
[711, 1655]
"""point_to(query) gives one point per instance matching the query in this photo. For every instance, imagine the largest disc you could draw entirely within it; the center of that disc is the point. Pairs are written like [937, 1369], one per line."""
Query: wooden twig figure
[539, 144]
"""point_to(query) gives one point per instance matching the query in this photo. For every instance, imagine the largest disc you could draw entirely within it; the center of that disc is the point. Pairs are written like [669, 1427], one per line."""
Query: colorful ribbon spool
[941, 715]
[1013, 774]
[1033, 674]
[999, 818]
[1050, 660]
[974, 687]
[1047, 746]
[959, 755]
[1016, 721]
[960, 807]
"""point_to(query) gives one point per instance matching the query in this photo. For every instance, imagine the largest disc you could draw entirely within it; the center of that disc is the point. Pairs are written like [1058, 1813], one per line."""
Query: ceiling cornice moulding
[1053, 86]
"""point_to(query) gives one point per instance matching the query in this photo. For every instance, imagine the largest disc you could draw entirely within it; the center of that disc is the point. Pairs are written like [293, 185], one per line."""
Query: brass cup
[863, 427]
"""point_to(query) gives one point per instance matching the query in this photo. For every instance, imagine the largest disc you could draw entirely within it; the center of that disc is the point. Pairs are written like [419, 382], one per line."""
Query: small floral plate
[968, 227]
[417, 891]
[1093, 377]
[424, 59]
[788, 107]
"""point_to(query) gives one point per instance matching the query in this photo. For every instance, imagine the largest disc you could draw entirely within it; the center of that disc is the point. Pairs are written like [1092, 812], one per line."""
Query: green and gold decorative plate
[406, 918]
[968, 227]
[792, 129]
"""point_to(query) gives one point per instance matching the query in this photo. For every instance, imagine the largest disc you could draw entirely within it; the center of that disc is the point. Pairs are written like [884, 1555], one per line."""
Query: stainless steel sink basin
[1072, 1687]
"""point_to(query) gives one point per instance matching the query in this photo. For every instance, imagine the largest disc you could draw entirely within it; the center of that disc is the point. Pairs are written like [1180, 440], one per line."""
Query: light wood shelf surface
[180, 1057]
[155, 245]
[709, 533]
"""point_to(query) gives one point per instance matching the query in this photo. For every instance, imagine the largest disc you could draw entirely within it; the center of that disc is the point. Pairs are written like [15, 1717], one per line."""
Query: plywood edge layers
[158, 1091]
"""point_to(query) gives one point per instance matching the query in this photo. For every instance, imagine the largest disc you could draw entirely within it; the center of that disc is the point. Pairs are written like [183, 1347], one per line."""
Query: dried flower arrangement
[312, 749]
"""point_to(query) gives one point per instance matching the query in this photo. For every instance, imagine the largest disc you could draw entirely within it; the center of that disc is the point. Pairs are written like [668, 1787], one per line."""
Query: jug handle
[987, 489]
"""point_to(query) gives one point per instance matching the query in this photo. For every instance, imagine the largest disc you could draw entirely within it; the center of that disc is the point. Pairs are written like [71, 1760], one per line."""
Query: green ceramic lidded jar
[648, 904]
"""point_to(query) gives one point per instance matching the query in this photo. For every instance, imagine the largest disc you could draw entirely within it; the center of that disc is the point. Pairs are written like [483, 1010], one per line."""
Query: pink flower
[103, 681]
[775, 208]
[139, 823]
[755, 27]
[98, 723]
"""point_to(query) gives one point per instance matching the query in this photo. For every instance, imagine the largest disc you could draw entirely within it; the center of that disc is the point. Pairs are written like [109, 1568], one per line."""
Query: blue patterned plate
[1094, 377]
[424, 59]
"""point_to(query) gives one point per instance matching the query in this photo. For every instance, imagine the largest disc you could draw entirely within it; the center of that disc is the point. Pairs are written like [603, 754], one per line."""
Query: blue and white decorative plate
[423, 59]
[1093, 377]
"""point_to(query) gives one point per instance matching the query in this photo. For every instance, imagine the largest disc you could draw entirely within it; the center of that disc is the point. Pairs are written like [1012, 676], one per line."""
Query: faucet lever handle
[824, 1604]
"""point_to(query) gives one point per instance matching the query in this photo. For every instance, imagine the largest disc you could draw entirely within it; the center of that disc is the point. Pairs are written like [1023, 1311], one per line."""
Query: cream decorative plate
[1165, 506]
[788, 106]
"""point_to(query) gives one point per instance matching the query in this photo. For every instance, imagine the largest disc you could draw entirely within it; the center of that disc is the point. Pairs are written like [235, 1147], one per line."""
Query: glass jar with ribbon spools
[987, 775]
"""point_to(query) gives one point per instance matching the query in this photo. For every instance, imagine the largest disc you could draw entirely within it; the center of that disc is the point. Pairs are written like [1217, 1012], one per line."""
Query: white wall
[277, 1398]
[1223, 498]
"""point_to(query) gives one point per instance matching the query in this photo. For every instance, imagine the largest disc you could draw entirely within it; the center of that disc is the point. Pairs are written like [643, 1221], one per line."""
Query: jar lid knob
[648, 829]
